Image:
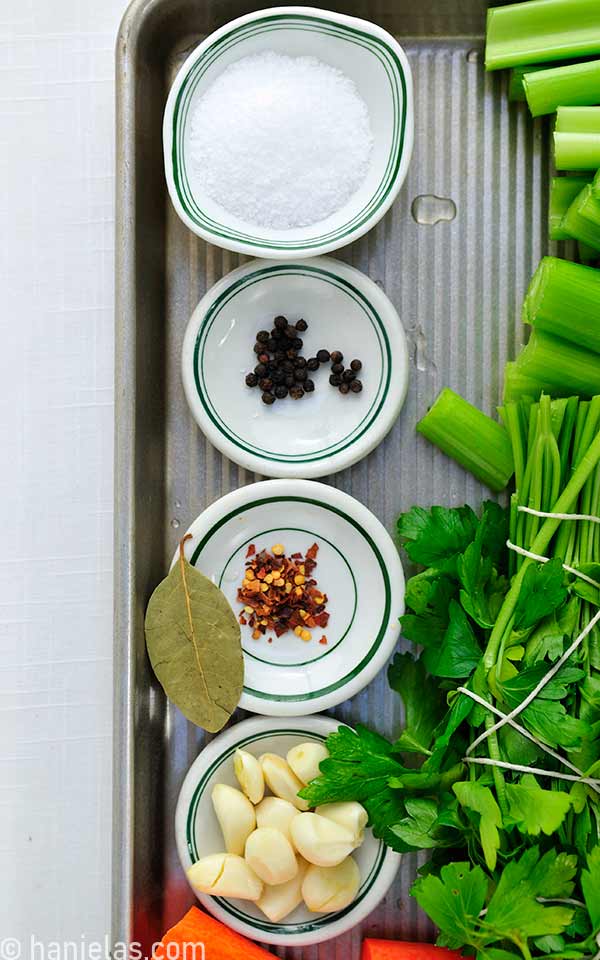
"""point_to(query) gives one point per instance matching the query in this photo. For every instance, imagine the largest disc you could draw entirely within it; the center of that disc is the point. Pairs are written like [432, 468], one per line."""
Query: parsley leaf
[480, 799]
[454, 901]
[408, 677]
[438, 534]
[542, 592]
[459, 652]
[359, 767]
[590, 884]
[418, 829]
[535, 810]
[514, 911]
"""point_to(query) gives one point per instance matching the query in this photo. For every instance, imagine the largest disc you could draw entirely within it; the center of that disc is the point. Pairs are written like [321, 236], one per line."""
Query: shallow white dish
[324, 431]
[358, 567]
[367, 54]
[198, 834]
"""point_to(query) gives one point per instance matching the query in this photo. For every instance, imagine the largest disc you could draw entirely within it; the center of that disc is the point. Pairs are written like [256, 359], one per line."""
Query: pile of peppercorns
[281, 371]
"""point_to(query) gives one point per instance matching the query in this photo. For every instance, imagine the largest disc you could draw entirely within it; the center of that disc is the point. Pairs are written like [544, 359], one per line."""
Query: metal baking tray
[457, 285]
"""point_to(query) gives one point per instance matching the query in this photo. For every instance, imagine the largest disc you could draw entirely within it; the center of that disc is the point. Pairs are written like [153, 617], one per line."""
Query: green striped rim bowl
[198, 834]
[366, 53]
[358, 568]
[325, 431]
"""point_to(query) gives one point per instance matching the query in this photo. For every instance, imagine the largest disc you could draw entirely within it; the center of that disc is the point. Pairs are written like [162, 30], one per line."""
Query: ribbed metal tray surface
[457, 285]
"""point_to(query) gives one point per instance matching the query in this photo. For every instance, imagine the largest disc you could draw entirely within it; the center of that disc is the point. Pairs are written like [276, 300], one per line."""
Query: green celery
[559, 367]
[563, 191]
[518, 385]
[563, 299]
[480, 444]
[596, 185]
[582, 219]
[541, 30]
[577, 84]
[586, 254]
[516, 90]
[577, 138]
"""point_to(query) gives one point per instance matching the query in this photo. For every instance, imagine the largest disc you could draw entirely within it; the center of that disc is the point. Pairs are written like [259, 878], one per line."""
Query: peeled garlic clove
[249, 775]
[326, 889]
[281, 779]
[305, 758]
[236, 816]
[277, 902]
[225, 875]
[277, 813]
[319, 840]
[349, 814]
[271, 856]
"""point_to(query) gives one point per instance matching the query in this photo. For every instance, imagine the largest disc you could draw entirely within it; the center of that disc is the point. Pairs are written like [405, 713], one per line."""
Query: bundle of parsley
[497, 770]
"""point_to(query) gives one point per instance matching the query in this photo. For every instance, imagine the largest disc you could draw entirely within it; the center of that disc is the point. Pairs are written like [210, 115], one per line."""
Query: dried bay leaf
[194, 644]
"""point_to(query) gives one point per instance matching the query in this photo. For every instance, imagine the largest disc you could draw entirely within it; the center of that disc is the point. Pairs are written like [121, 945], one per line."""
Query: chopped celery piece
[582, 220]
[564, 299]
[577, 138]
[563, 191]
[596, 185]
[559, 367]
[480, 444]
[540, 30]
[516, 90]
[576, 84]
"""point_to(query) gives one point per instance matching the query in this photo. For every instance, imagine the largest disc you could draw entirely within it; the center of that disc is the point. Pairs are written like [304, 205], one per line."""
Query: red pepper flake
[279, 594]
[323, 639]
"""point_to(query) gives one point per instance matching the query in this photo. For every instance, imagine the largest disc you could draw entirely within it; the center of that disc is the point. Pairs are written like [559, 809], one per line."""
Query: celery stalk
[559, 367]
[516, 90]
[582, 219]
[563, 191]
[480, 444]
[577, 84]
[540, 30]
[596, 185]
[563, 299]
[518, 385]
[586, 254]
[577, 138]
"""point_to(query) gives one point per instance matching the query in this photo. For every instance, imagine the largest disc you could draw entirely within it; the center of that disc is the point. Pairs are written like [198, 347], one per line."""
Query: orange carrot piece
[397, 950]
[184, 940]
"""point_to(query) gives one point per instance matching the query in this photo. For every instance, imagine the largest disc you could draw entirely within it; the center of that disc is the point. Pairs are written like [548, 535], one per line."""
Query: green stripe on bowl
[314, 536]
[286, 929]
[370, 653]
[376, 46]
[372, 315]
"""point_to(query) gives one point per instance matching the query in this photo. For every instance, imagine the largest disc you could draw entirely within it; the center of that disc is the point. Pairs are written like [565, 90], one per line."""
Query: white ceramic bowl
[198, 834]
[358, 567]
[363, 51]
[324, 431]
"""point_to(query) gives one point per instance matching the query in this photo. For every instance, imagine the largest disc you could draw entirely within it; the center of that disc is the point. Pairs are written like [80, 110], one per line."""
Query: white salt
[280, 141]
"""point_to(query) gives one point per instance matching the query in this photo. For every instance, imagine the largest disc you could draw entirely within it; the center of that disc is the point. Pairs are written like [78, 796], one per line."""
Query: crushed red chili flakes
[280, 593]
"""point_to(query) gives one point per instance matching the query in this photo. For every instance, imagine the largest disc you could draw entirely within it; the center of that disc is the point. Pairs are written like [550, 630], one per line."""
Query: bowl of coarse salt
[289, 132]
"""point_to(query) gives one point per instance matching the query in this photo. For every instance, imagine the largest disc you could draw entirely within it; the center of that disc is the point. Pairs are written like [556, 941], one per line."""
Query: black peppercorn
[302, 325]
[309, 386]
[348, 376]
[313, 364]
[279, 355]
[296, 392]
[356, 386]
[297, 343]
[266, 384]
[260, 370]
[344, 387]
[251, 379]
[258, 347]
[323, 356]
[289, 380]
[300, 363]
[300, 375]
[290, 354]
[276, 333]
[272, 345]
[356, 365]
[281, 391]
[288, 366]
[280, 322]
[335, 379]
[290, 332]
[336, 356]
[277, 375]
[262, 336]
[337, 368]
[268, 398]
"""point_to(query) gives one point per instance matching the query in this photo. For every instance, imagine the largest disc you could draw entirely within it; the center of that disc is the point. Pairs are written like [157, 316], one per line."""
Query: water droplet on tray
[175, 523]
[473, 56]
[428, 209]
